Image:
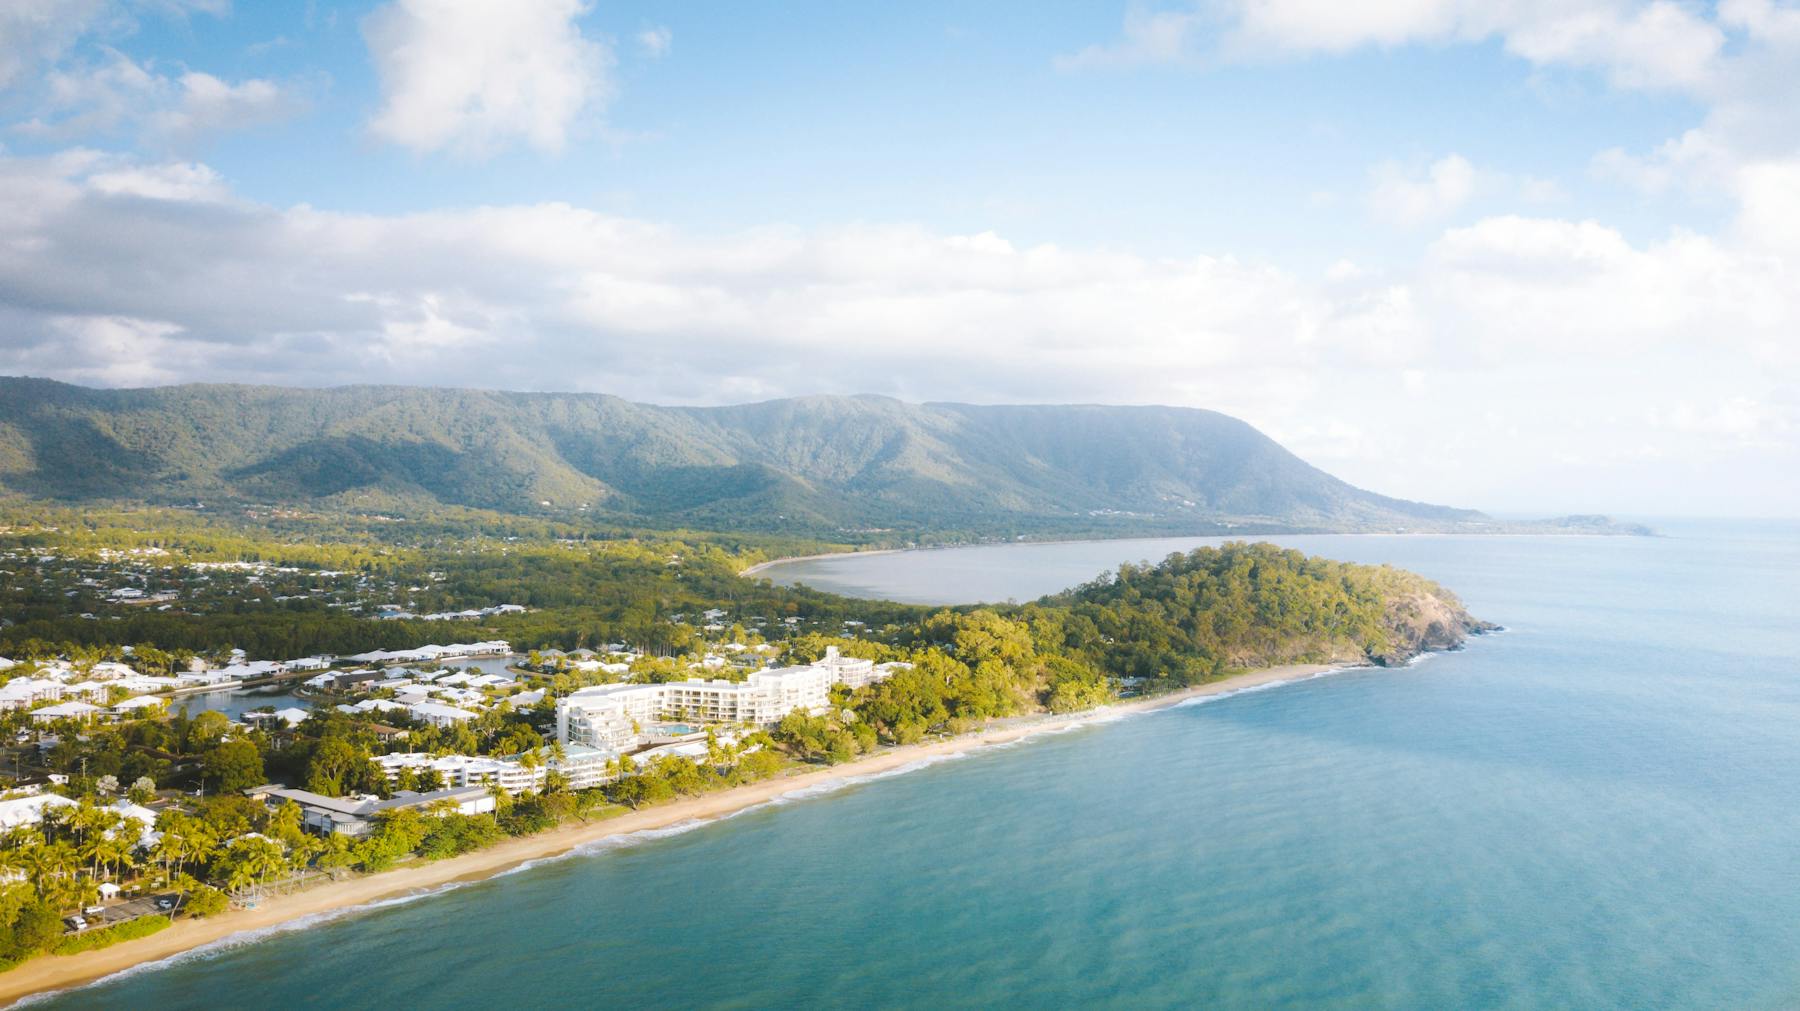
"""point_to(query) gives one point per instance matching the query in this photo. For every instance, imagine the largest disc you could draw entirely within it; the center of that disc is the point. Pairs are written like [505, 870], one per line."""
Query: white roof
[66, 709]
[432, 709]
[29, 810]
[139, 702]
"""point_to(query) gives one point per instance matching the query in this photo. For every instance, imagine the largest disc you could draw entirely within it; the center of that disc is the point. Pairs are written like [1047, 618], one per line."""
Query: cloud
[475, 77]
[1147, 37]
[1445, 186]
[171, 113]
[655, 42]
[37, 33]
[117, 271]
[1660, 44]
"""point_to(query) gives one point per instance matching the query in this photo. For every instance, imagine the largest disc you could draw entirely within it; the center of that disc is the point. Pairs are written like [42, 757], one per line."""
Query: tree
[233, 767]
[142, 791]
[205, 901]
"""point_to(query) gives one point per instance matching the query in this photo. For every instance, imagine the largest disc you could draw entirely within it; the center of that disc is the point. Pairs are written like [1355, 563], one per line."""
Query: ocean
[1597, 808]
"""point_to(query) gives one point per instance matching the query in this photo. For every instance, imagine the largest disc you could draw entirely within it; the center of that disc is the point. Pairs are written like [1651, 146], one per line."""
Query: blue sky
[1541, 245]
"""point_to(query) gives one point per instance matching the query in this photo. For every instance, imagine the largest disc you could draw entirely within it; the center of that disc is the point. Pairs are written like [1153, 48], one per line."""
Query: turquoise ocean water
[1599, 808]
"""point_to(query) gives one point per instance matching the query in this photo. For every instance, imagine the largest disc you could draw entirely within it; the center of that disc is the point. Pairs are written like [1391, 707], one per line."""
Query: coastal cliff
[1425, 622]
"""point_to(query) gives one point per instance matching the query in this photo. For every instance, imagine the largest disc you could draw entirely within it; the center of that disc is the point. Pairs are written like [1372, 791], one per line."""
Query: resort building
[354, 816]
[608, 716]
[583, 768]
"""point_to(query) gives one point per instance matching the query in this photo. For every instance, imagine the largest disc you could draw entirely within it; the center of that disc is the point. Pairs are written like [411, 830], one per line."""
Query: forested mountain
[819, 463]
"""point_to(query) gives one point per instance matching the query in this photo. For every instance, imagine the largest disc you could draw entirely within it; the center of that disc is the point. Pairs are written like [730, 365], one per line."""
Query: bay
[1596, 808]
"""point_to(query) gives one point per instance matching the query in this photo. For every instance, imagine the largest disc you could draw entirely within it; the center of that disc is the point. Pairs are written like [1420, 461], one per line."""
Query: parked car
[76, 923]
[94, 910]
[166, 902]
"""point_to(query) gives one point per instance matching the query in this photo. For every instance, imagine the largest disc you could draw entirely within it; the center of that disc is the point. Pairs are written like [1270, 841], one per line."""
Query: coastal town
[575, 722]
[200, 727]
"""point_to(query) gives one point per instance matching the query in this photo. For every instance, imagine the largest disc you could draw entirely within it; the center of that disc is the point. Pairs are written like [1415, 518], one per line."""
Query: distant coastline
[60, 972]
[771, 563]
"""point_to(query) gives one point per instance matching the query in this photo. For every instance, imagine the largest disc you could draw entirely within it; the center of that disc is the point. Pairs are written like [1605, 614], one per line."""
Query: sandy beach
[57, 972]
[759, 566]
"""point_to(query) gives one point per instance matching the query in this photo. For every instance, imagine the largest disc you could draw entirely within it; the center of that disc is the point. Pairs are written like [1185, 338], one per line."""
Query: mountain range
[818, 463]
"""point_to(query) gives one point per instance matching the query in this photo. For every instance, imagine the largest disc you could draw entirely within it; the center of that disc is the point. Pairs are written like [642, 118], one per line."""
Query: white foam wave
[1202, 700]
[230, 942]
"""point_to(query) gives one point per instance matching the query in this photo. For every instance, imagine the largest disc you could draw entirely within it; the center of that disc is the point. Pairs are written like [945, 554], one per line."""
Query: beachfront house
[355, 816]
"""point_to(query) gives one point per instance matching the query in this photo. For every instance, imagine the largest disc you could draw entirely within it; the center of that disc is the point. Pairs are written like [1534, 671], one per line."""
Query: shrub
[104, 937]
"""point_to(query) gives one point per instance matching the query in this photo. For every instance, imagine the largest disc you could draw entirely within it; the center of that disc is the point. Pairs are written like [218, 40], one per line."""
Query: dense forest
[831, 467]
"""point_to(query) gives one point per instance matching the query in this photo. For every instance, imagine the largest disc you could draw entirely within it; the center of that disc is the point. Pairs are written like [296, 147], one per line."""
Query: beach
[58, 972]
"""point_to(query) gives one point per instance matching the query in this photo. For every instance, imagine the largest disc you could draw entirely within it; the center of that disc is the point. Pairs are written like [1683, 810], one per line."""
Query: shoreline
[49, 973]
[1265, 535]
[759, 566]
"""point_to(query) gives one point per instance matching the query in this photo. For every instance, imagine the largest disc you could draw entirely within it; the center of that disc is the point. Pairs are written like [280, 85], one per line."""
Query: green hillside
[815, 463]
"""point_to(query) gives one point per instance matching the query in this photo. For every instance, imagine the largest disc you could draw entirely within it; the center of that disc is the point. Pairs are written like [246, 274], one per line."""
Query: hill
[814, 463]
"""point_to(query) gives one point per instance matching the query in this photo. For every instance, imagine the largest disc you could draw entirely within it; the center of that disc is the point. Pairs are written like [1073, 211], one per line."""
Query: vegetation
[103, 937]
[298, 584]
[863, 468]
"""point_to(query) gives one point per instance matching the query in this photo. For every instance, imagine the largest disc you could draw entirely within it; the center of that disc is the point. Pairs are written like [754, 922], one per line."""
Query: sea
[1597, 808]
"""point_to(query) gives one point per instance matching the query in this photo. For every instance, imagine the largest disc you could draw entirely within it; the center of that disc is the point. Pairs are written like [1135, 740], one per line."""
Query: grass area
[106, 937]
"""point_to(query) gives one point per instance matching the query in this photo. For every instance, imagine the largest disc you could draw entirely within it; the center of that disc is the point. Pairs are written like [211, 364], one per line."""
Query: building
[355, 816]
[65, 711]
[583, 767]
[138, 705]
[607, 716]
[438, 714]
[25, 692]
[29, 810]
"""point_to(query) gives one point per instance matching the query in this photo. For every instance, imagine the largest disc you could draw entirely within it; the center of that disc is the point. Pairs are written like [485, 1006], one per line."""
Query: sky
[1530, 256]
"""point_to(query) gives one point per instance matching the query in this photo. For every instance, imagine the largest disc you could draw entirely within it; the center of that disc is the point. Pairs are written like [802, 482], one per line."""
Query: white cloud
[473, 76]
[1147, 37]
[1660, 44]
[208, 105]
[1445, 186]
[120, 272]
[166, 112]
[38, 33]
[35, 33]
[655, 42]
[188, 183]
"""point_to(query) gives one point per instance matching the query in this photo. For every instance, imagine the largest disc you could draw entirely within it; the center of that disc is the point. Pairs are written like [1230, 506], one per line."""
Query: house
[292, 716]
[142, 683]
[29, 810]
[65, 711]
[138, 705]
[354, 816]
[355, 679]
[440, 715]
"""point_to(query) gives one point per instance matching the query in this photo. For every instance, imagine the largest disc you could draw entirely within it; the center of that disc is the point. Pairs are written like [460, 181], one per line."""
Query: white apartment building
[583, 767]
[25, 692]
[602, 716]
